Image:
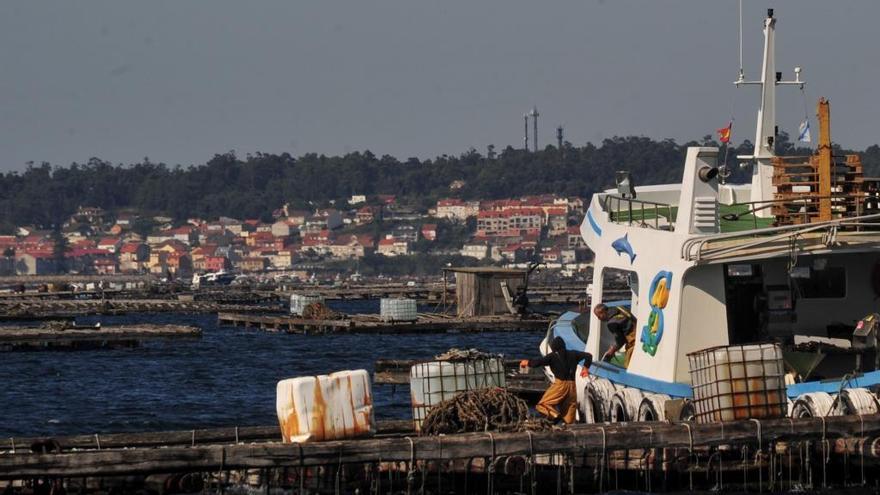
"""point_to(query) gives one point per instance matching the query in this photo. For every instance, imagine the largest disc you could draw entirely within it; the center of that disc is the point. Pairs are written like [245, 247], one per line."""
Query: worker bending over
[622, 324]
[560, 400]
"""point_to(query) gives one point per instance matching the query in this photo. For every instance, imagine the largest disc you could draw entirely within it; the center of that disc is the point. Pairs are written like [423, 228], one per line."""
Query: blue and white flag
[804, 131]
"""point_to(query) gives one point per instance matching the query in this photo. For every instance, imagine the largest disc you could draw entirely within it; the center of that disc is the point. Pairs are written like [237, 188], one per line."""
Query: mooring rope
[758, 455]
[490, 468]
[532, 481]
[603, 464]
[862, 446]
[302, 466]
[411, 474]
[690, 452]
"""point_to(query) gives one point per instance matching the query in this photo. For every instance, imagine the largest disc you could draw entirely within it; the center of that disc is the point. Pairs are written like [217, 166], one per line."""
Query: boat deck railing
[817, 234]
[639, 212]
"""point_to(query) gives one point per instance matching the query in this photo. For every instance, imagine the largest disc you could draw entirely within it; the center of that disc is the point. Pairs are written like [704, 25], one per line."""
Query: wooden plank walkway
[426, 323]
[29, 338]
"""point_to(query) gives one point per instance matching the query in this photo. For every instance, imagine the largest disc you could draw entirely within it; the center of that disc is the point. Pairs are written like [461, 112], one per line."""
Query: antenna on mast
[741, 74]
[766, 129]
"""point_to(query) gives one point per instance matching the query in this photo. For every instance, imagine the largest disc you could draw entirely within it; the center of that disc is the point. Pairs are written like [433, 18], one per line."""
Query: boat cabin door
[746, 302]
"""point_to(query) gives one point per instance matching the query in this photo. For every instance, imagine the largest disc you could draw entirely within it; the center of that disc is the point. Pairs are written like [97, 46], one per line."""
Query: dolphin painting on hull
[622, 245]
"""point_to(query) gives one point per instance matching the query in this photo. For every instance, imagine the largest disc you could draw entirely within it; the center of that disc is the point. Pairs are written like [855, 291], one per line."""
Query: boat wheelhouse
[791, 258]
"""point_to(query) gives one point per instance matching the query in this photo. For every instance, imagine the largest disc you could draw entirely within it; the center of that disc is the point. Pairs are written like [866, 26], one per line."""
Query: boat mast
[766, 130]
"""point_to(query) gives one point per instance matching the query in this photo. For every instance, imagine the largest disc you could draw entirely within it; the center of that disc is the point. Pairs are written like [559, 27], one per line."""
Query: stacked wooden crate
[820, 187]
[798, 181]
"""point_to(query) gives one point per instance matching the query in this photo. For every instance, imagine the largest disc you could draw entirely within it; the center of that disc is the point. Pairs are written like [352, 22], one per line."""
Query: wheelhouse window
[819, 281]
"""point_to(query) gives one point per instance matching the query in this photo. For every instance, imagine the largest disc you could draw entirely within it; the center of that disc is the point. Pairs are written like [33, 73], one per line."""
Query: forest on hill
[255, 185]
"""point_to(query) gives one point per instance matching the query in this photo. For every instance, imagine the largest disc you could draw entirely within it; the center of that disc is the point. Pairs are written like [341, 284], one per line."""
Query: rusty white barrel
[325, 407]
[738, 382]
[398, 309]
[433, 382]
[298, 302]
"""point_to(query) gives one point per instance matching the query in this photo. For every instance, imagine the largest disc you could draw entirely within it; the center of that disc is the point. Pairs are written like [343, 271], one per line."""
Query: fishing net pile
[320, 311]
[478, 410]
[456, 354]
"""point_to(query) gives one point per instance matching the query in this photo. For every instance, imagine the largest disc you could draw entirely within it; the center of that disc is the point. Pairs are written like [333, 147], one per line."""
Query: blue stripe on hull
[593, 224]
[620, 376]
[833, 386]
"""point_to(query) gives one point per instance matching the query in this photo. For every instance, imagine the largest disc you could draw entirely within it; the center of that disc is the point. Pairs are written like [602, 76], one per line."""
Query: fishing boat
[788, 264]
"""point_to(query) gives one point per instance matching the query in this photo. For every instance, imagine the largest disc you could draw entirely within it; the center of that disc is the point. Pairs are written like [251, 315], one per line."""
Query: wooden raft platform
[426, 323]
[691, 447]
[435, 293]
[176, 438]
[29, 338]
[39, 309]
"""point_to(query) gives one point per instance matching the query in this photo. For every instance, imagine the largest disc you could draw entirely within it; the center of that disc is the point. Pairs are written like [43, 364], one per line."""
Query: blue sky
[180, 81]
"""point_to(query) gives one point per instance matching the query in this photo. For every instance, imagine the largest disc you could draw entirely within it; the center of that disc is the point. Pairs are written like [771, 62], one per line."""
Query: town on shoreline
[363, 236]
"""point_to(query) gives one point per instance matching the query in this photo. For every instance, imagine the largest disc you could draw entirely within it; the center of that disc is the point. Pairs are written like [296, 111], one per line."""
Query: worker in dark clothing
[622, 324]
[560, 400]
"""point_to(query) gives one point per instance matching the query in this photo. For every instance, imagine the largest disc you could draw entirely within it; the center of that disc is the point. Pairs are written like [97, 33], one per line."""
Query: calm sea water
[226, 378]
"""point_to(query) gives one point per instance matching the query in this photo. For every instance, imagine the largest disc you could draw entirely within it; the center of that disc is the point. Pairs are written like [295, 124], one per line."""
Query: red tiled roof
[130, 248]
[174, 243]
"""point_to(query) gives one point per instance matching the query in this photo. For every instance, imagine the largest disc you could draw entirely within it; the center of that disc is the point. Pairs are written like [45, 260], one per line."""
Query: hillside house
[429, 231]
[557, 221]
[510, 222]
[110, 244]
[456, 209]
[393, 247]
[282, 228]
[134, 257]
[408, 233]
[475, 250]
[281, 259]
[367, 214]
[347, 247]
[252, 264]
[211, 264]
[106, 266]
[260, 240]
[575, 240]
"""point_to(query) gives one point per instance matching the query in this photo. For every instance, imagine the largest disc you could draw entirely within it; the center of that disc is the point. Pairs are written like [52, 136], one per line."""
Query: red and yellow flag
[724, 133]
